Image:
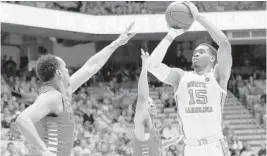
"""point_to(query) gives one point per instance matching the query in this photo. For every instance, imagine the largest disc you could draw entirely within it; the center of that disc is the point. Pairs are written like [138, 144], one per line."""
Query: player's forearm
[217, 35]
[28, 130]
[99, 59]
[160, 51]
[143, 88]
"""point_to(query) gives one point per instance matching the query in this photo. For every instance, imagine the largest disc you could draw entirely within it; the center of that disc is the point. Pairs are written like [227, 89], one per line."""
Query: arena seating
[122, 8]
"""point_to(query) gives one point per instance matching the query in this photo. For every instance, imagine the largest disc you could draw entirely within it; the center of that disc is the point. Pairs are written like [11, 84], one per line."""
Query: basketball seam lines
[170, 9]
[179, 12]
[184, 24]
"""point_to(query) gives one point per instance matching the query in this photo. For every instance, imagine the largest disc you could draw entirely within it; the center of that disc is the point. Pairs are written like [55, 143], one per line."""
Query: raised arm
[96, 62]
[143, 91]
[224, 55]
[45, 104]
[157, 68]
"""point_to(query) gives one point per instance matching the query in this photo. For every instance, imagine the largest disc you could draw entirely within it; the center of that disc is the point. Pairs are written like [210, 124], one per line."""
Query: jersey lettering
[200, 97]
[198, 109]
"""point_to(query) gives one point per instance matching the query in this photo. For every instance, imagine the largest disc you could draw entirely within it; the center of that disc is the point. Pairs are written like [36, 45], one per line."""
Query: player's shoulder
[50, 96]
[178, 71]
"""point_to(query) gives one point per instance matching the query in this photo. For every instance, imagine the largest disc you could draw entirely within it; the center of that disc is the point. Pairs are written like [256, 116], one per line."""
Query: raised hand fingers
[142, 52]
[129, 27]
[147, 55]
[131, 35]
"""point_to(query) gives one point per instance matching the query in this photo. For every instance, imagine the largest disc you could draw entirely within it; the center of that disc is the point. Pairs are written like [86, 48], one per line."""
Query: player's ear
[212, 58]
[59, 73]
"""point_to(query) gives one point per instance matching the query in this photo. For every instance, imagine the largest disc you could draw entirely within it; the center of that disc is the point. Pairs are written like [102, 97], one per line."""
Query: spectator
[180, 60]
[170, 102]
[169, 132]
[262, 151]
[248, 151]
[4, 87]
[25, 87]
[3, 62]
[260, 111]
[11, 150]
[163, 94]
[33, 83]
[245, 146]
[236, 146]
[10, 67]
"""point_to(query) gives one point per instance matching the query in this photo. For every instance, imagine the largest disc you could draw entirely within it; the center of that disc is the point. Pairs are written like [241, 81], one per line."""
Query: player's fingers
[142, 52]
[129, 27]
[147, 54]
[131, 35]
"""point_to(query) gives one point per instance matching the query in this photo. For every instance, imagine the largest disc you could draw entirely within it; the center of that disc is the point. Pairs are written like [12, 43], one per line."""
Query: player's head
[50, 67]
[204, 56]
[10, 146]
[152, 108]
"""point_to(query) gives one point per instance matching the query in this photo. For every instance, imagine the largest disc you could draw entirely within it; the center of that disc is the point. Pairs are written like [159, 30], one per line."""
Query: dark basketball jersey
[57, 132]
[149, 147]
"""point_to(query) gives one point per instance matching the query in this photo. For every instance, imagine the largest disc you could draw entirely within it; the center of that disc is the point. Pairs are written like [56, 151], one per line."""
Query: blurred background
[77, 30]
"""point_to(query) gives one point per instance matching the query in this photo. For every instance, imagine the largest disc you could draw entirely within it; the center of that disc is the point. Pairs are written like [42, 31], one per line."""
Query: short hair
[212, 50]
[263, 97]
[10, 143]
[46, 67]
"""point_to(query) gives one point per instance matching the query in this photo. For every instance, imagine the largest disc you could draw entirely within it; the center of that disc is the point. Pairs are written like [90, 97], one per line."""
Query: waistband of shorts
[203, 141]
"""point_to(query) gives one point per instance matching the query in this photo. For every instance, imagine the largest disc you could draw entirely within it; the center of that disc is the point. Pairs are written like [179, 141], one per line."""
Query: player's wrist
[197, 17]
[170, 37]
[115, 44]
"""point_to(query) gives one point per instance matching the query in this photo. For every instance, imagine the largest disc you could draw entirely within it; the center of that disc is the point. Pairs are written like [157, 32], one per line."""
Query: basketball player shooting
[146, 140]
[48, 124]
[200, 94]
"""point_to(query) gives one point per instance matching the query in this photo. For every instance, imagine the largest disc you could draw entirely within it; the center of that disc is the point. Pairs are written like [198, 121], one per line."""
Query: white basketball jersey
[199, 100]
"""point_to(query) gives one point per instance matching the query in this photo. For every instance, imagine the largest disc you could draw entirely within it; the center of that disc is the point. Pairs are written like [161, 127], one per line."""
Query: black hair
[10, 143]
[46, 67]
[212, 50]
[263, 97]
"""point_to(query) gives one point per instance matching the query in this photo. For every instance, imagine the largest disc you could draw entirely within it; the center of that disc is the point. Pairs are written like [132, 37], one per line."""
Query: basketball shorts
[218, 148]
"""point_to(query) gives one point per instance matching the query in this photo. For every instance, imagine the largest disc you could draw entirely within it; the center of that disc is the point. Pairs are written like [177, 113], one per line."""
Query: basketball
[178, 16]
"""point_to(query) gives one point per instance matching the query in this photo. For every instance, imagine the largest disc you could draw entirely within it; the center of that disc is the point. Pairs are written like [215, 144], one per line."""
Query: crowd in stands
[135, 7]
[101, 110]
[93, 7]
[249, 87]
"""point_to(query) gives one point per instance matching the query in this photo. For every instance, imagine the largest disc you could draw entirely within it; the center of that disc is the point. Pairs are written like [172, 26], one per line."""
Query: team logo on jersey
[207, 79]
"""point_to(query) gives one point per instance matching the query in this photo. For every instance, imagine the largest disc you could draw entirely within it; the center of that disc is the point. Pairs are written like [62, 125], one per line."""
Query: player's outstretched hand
[145, 62]
[193, 9]
[126, 35]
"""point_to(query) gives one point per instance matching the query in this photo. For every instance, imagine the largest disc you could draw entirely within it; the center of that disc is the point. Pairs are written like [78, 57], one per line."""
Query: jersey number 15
[198, 96]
